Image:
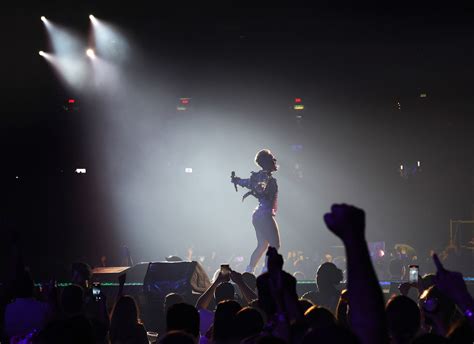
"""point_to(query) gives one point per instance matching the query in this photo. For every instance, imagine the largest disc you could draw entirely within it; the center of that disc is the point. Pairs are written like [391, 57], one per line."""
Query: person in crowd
[72, 326]
[439, 312]
[224, 329]
[81, 274]
[319, 318]
[125, 324]
[277, 297]
[403, 319]
[221, 290]
[170, 300]
[367, 313]
[248, 323]
[183, 317]
[305, 304]
[25, 314]
[328, 278]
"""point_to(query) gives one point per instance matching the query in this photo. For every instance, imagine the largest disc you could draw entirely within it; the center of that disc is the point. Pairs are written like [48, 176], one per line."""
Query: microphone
[232, 175]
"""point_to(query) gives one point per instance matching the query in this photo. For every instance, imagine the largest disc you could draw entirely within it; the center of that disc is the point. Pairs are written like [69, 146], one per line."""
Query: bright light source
[188, 170]
[401, 167]
[91, 17]
[90, 53]
[297, 100]
[42, 53]
[71, 101]
[81, 170]
[418, 163]
[43, 19]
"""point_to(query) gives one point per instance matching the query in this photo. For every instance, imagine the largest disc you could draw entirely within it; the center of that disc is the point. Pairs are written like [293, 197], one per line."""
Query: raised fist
[346, 221]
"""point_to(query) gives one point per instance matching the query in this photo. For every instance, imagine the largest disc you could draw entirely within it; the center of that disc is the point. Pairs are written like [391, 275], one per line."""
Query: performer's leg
[272, 233]
[262, 243]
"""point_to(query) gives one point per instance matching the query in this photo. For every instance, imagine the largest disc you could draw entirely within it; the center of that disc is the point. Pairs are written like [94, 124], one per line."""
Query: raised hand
[451, 283]
[236, 277]
[346, 221]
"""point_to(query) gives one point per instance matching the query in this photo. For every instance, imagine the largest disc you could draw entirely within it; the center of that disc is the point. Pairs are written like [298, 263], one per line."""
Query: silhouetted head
[403, 318]
[177, 337]
[305, 304]
[224, 291]
[183, 317]
[172, 299]
[266, 301]
[72, 299]
[266, 160]
[428, 280]
[328, 276]
[435, 305]
[224, 320]
[299, 275]
[250, 280]
[124, 318]
[24, 286]
[248, 322]
[319, 317]
[81, 273]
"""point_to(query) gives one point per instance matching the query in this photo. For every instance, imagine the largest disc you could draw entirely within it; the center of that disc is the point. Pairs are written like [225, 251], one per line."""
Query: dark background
[350, 67]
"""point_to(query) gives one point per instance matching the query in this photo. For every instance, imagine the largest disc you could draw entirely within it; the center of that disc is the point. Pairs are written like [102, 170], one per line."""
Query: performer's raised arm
[245, 183]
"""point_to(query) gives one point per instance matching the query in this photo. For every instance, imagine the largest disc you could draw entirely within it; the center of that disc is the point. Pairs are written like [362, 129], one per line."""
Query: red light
[184, 101]
[297, 100]
[71, 101]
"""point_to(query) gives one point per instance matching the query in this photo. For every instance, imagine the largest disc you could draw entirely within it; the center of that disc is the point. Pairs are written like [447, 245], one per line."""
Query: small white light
[81, 170]
[91, 17]
[401, 167]
[188, 170]
[90, 52]
[418, 163]
[43, 19]
[41, 53]
[16, 177]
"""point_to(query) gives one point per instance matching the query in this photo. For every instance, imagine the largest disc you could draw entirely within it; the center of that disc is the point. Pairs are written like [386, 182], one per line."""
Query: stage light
[188, 170]
[43, 19]
[42, 53]
[90, 52]
[91, 17]
[71, 101]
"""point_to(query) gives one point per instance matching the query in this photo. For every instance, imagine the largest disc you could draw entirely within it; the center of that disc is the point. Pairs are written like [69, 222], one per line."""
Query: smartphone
[96, 292]
[225, 269]
[413, 273]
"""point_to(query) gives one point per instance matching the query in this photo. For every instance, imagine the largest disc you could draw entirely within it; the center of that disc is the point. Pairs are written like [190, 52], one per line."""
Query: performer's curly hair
[263, 156]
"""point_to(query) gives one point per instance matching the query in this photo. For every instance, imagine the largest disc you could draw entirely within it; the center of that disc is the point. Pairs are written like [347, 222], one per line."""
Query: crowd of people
[243, 308]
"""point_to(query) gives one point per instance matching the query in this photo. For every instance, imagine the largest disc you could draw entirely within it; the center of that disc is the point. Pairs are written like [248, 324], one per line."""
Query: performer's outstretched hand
[346, 221]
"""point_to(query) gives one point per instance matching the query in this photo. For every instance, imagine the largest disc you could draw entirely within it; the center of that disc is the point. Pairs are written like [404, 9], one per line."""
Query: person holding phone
[264, 187]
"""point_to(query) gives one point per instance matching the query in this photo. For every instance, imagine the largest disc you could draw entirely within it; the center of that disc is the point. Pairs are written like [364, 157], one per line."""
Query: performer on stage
[264, 187]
